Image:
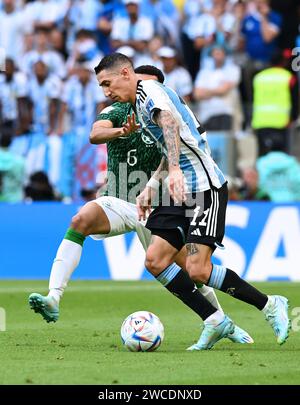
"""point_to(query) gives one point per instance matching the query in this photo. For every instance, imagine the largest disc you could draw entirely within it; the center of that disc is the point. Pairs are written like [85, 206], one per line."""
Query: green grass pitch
[84, 346]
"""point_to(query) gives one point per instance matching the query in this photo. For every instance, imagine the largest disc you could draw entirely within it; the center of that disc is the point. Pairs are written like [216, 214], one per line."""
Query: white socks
[269, 302]
[210, 295]
[66, 261]
[215, 319]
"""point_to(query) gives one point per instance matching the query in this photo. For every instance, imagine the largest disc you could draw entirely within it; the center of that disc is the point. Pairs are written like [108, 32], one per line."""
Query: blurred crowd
[235, 62]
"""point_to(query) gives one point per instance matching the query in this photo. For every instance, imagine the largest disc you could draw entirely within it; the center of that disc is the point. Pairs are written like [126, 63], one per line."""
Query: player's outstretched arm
[103, 131]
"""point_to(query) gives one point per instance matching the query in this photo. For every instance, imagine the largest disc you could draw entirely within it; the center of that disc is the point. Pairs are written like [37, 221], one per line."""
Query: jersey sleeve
[156, 98]
[116, 114]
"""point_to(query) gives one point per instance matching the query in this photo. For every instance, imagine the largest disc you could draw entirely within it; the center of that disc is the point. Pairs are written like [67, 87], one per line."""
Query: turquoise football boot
[239, 335]
[211, 334]
[276, 313]
[46, 306]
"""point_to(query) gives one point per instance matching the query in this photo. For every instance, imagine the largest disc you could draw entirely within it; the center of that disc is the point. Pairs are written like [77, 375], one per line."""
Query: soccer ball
[142, 331]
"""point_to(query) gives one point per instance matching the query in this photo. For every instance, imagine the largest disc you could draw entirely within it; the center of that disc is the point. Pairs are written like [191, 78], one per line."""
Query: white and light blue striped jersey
[200, 171]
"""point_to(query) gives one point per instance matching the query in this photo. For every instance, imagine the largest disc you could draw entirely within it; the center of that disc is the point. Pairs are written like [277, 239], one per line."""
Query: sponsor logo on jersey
[196, 232]
[147, 140]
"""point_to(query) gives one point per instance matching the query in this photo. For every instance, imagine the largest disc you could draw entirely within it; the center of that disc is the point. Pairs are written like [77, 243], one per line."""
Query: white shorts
[123, 218]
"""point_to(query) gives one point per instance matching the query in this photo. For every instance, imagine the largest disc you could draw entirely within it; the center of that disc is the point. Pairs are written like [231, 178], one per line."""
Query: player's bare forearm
[159, 175]
[171, 136]
[170, 130]
[103, 132]
[163, 166]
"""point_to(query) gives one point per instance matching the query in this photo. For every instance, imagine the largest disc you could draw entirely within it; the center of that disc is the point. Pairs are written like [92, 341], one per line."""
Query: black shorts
[200, 220]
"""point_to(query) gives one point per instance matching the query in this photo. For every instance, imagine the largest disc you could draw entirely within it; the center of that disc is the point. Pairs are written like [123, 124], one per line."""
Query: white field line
[100, 288]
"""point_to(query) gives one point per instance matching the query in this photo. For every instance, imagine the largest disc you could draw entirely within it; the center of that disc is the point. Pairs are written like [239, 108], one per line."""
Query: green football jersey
[131, 159]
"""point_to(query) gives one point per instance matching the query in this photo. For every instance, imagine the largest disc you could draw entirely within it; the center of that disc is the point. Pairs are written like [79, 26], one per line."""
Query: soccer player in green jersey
[132, 159]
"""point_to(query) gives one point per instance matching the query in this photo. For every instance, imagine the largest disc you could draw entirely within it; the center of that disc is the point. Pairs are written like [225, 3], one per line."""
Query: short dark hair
[42, 30]
[83, 33]
[112, 60]
[151, 70]
[5, 139]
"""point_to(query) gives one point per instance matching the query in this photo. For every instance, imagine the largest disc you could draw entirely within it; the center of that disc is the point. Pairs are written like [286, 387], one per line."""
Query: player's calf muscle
[198, 271]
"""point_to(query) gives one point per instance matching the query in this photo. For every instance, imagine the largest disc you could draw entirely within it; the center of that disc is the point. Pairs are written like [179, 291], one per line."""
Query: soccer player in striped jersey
[114, 213]
[197, 186]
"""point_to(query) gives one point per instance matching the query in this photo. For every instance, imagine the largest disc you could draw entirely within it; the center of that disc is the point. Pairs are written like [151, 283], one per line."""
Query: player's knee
[80, 224]
[199, 272]
[155, 264]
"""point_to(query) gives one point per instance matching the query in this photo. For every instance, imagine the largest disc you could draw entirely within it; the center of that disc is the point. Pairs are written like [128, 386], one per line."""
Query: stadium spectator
[176, 76]
[45, 13]
[213, 27]
[85, 49]
[82, 99]
[57, 42]
[191, 10]
[236, 42]
[132, 29]
[42, 52]
[12, 30]
[11, 172]
[250, 189]
[279, 176]
[44, 93]
[39, 188]
[165, 18]
[83, 14]
[215, 90]
[260, 28]
[275, 104]
[14, 113]
[104, 24]
[154, 45]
